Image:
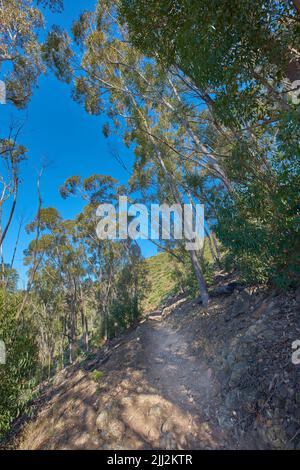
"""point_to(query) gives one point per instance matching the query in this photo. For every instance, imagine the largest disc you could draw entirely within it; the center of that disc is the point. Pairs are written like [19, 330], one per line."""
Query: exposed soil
[184, 378]
[155, 393]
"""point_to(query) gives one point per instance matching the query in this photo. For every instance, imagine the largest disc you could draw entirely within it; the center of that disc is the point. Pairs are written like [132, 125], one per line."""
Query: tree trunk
[84, 324]
[200, 278]
[106, 324]
[297, 5]
[176, 196]
[86, 334]
[211, 247]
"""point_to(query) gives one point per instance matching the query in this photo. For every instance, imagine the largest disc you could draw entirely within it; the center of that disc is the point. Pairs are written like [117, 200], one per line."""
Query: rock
[82, 440]
[157, 411]
[102, 420]
[297, 397]
[222, 290]
[241, 305]
[297, 295]
[227, 289]
[291, 429]
[168, 426]
[153, 434]
[282, 391]
[116, 429]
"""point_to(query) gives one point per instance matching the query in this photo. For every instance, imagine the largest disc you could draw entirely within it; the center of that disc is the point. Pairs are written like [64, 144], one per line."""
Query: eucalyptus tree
[84, 289]
[11, 156]
[245, 64]
[58, 254]
[224, 48]
[113, 267]
[153, 108]
[21, 64]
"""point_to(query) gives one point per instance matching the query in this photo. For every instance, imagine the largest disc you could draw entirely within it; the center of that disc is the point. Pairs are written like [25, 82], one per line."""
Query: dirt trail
[154, 394]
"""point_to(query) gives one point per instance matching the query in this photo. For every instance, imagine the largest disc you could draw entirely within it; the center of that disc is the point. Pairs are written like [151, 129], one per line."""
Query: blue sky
[58, 130]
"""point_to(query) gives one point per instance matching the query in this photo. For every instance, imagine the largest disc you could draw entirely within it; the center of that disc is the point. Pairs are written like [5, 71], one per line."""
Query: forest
[204, 97]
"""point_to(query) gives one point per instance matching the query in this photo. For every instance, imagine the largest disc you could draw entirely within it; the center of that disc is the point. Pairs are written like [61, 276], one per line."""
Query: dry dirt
[155, 393]
[184, 378]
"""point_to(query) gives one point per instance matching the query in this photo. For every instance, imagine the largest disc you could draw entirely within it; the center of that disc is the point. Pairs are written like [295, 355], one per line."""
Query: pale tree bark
[212, 247]
[123, 88]
[36, 259]
[172, 184]
[11, 213]
[84, 322]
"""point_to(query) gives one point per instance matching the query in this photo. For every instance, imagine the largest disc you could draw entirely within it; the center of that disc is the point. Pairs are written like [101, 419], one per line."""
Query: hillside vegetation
[161, 280]
[166, 276]
[199, 106]
[186, 378]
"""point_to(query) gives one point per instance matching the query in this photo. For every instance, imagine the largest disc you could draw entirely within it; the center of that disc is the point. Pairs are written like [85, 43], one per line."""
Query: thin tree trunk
[211, 247]
[177, 199]
[216, 246]
[36, 260]
[86, 334]
[297, 5]
[62, 350]
[16, 243]
[12, 210]
[200, 278]
[84, 324]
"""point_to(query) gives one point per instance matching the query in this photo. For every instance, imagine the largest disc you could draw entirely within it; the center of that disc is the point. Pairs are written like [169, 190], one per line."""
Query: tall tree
[21, 22]
[148, 105]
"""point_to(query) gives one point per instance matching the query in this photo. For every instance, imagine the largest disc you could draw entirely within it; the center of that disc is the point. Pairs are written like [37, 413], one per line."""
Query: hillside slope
[163, 274]
[147, 396]
[184, 379]
[161, 280]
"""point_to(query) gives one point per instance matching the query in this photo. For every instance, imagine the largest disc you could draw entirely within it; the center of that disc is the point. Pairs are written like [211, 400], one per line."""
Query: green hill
[161, 280]
[165, 275]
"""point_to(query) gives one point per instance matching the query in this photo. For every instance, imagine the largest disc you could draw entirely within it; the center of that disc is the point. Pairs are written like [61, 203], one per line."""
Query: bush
[18, 374]
[96, 375]
[260, 227]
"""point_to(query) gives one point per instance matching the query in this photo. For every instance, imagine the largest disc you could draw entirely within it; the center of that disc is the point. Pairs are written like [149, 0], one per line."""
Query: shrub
[96, 375]
[17, 376]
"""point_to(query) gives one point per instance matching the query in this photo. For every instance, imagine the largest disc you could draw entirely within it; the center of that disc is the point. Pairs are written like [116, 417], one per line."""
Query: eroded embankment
[184, 379]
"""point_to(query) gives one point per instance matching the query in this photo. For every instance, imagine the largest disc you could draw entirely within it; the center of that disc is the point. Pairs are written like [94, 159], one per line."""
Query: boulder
[241, 305]
[102, 420]
[157, 411]
[227, 289]
[297, 295]
[222, 290]
[116, 429]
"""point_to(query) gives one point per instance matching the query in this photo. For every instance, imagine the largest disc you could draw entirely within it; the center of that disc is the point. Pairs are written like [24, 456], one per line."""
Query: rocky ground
[246, 339]
[185, 378]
